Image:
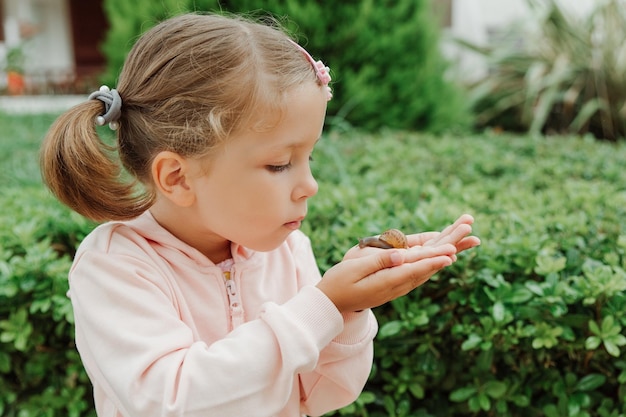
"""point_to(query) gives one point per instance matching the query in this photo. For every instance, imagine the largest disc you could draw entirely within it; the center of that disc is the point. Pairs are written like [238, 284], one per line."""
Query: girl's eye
[278, 168]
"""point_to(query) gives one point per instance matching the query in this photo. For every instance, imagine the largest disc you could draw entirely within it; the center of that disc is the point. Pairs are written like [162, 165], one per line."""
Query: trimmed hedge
[40, 371]
[531, 323]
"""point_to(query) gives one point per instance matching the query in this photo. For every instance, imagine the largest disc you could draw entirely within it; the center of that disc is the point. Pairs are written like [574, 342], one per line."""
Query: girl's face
[257, 185]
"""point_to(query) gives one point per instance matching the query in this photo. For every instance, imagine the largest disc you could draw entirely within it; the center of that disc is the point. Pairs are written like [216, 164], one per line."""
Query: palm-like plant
[568, 76]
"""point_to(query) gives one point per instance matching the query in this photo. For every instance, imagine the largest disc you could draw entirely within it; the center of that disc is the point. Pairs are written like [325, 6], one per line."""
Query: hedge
[531, 323]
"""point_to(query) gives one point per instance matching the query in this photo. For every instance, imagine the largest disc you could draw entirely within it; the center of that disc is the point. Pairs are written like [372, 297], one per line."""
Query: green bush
[40, 372]
[531, 323]
[567, 77]
[127, 20]
[384, 74]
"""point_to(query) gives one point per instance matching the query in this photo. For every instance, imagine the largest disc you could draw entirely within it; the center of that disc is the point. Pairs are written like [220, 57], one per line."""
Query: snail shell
[392, 238]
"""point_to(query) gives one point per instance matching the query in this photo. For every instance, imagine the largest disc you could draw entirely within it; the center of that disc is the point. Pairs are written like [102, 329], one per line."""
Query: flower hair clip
[321, 70]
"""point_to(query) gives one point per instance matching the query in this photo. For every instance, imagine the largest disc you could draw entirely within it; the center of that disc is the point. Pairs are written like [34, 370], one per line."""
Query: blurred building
[60, 38]
[56, 41]
[482, 21]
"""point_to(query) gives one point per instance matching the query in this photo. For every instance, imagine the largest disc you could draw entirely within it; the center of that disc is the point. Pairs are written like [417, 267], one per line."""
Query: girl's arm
[148, 362]
[345, 363]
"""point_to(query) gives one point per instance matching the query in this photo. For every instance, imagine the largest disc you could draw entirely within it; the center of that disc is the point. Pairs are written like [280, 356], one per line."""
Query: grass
[19, 146]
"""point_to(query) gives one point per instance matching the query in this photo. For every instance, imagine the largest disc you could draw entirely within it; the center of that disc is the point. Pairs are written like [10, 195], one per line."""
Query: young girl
[199, 296]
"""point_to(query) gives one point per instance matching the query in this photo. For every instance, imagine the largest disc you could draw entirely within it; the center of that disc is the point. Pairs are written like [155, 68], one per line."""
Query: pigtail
[82, 172]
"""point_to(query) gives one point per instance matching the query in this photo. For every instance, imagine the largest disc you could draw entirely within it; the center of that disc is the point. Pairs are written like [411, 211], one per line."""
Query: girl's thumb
[370, 264]
[392, 258]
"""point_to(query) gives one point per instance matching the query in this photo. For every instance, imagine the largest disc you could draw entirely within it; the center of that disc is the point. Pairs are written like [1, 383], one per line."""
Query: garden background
[531, 323]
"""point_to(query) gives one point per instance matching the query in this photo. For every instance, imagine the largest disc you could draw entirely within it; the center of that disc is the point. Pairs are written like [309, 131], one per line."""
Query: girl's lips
[294, 224]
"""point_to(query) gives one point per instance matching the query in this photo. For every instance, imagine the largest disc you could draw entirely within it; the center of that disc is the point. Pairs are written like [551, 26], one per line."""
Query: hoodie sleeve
[146, 361]
[345, 363]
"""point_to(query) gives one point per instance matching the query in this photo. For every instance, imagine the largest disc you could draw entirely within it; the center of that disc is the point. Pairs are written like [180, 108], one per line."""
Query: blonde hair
[186, 85]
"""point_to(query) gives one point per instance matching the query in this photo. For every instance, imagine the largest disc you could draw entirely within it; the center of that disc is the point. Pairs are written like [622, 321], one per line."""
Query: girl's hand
[369, 277]
[372, 280]
[456, 234]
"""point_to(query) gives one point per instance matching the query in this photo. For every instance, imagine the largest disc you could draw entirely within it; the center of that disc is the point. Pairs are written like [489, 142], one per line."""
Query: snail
[392, 238]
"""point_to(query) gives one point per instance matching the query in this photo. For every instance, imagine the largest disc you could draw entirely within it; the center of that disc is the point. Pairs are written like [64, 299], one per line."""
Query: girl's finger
[467, 243]
[419, 239]
[423, 252]
[455, 232]
[374, 262]
[395, 282]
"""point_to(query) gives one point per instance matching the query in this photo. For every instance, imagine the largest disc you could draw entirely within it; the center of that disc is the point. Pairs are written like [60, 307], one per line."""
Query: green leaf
[619, 339]
[590, 382]
[390, 328]
[534, 287]
[390, 406]
[462, 394]
[474, 404]
[592, 342]
[521, 400]
[585, 113]
[607, 325]
[498, 311]
[40, 305]
[484, 401]
[520, 295]
[367, 397]
[550, 410]
[417, 390]
[6, 337]
[495, 389]
[5, 362]
[472, 341]
[578, 402]
[611, 348]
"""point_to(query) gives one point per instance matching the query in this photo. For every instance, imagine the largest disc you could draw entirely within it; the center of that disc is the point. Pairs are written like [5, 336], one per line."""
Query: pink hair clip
[321, 70]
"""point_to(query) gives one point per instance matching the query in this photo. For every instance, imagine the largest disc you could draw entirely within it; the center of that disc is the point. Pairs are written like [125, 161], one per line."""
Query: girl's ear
[170, 176]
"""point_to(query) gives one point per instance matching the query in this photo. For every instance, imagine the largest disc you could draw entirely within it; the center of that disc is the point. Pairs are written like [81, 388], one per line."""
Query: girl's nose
[307, 187]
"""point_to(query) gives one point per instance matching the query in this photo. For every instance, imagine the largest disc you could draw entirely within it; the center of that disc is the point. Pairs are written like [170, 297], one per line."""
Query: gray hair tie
[112, 106]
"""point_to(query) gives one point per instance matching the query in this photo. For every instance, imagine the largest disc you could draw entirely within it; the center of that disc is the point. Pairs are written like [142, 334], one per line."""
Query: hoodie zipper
[234, 301]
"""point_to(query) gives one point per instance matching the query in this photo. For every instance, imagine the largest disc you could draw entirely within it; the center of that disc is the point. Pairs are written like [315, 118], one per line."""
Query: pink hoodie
[162, 333]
